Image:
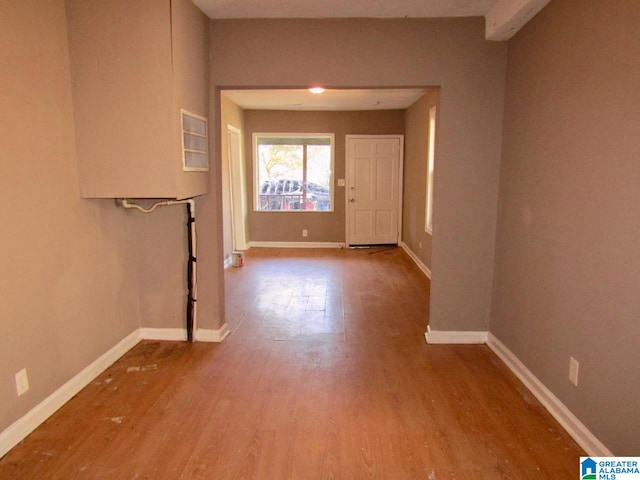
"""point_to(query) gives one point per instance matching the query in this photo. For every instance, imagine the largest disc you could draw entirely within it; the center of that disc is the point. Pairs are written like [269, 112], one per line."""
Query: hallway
[326, 374]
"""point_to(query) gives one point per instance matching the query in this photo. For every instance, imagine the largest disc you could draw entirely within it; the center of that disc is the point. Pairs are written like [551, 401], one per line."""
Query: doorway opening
[396, 168]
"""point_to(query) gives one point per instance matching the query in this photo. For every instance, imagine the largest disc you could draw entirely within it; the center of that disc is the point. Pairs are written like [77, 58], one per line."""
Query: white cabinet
[135, 66]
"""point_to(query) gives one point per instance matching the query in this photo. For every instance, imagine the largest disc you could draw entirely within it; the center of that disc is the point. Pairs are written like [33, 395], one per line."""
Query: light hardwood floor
[326, 375]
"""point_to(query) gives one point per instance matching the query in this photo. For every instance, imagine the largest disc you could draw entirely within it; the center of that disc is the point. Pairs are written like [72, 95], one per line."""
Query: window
[428, 226]
[293, 172]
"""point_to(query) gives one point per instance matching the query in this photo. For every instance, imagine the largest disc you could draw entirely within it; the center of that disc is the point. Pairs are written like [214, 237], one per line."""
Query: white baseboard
[298, 244]
[22, 427]
[180, 334]
[446, 337]
[416, 260]
[558, 410]
[227, 262]
[205, 335]
[166, 334]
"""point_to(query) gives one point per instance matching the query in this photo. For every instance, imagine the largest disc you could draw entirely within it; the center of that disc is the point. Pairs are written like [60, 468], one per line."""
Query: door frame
[400, 138]
[237, 192]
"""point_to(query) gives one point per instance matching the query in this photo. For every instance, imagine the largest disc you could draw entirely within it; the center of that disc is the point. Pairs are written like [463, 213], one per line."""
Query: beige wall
[568, 248]
[190, 68]
[161, 241]
[69, 277]
[122, 99]
[416, 165]
[450, 53]
[210, 229]
[78, 275]
[134, 65]
[321, 226]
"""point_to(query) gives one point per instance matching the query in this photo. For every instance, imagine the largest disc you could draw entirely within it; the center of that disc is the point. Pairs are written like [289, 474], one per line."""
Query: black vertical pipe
[190, 263]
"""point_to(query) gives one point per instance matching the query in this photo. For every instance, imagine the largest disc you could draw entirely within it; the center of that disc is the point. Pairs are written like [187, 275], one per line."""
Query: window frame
[204, 135]
[256, 168]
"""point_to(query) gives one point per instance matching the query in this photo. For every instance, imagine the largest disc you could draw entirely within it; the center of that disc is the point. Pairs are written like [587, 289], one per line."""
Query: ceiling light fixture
[316, 90]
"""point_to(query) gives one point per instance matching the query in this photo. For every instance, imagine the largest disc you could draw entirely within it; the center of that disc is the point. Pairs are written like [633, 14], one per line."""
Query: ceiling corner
[507, 17]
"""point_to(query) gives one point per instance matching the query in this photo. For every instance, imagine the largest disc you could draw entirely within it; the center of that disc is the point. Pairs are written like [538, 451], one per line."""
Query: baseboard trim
[416, 260]
[440, 337]
[22, 427]
[227, 262]
[180, 334]
[556, 408]
[165, 334]
[217, 336]
[298, 244]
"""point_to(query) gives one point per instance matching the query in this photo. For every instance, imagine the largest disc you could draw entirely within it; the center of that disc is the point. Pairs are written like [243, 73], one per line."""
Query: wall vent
[195, 143]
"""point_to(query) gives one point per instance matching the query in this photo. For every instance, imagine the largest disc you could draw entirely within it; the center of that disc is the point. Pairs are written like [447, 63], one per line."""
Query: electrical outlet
[22, 381]
[304, 232]
[574, 365]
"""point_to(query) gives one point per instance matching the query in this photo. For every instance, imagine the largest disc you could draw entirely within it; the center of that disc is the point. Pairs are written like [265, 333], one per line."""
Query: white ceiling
[503, 17]
[331, 100]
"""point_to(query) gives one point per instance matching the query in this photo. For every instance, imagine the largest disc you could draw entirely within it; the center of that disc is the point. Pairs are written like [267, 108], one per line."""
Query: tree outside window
[294, 172]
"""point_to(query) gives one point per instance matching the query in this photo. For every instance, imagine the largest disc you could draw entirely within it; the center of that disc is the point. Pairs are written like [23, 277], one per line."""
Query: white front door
[373, 189]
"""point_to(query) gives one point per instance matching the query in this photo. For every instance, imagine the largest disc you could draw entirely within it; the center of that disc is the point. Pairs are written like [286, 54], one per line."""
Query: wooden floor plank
[326, 375]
